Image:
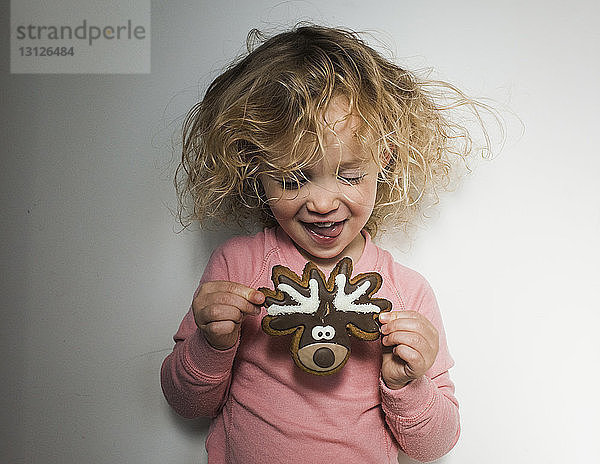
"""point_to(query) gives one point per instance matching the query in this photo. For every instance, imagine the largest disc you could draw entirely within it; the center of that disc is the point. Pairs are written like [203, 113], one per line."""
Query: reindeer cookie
[321, 314]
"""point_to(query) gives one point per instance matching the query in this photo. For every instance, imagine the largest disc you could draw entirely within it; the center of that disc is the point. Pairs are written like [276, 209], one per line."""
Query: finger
[229, 299]
[216, 313]
[411, 322]
[248, 293]
[412, 339]
[219, 328]
[429, 334]
[388, 316]
[414, 361]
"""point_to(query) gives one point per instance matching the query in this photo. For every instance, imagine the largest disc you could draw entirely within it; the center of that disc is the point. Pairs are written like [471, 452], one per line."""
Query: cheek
[281, 203]
[284, 208]
[364, 197]
[372, 193]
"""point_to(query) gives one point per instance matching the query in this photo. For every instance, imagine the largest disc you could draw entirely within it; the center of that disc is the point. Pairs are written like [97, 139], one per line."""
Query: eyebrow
[295, 173]
[305, 173]
[354, 164]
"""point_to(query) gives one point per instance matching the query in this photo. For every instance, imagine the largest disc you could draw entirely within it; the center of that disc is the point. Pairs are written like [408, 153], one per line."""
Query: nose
[322, 199]
[324, 357]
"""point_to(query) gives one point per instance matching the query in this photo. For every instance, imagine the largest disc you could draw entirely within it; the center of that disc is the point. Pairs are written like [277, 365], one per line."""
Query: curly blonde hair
[264, 114]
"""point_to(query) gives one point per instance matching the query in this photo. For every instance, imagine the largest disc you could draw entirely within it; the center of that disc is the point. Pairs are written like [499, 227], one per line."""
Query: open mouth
[325, 230]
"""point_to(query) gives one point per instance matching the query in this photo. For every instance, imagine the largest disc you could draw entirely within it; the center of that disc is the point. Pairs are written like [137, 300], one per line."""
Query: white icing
[329, 332]
[306, 305]
[345, 302]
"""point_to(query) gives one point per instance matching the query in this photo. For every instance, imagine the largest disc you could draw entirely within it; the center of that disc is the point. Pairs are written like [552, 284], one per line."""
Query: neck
[354, 251]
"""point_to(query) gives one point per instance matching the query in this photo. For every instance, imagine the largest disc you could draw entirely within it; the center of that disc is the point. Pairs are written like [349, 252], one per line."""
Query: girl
[320, 139]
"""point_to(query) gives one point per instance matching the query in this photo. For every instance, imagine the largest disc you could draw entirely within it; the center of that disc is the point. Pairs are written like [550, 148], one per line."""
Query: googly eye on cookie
[323, 314]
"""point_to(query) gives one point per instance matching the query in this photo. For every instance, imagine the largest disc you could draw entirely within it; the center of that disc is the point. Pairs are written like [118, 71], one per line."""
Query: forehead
[343, 148]
[338, 141]
[339, 154]
[334, 156]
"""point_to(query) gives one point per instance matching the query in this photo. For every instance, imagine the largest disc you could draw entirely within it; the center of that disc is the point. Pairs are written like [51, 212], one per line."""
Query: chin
[326, 254]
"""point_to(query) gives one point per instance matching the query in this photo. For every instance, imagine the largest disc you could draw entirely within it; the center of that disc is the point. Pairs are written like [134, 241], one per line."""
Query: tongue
[331, 231]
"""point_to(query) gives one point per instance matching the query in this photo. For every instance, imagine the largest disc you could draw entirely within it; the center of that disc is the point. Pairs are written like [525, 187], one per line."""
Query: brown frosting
[322, 314]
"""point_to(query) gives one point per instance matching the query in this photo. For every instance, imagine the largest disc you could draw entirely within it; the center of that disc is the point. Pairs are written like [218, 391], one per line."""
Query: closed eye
[293, 182]
[353, 179]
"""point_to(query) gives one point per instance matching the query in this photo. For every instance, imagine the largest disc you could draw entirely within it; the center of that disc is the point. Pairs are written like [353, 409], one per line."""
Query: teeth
[324, 224]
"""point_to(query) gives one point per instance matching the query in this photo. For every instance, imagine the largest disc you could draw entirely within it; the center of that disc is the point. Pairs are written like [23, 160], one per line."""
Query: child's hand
[219, 309]
[415, 342]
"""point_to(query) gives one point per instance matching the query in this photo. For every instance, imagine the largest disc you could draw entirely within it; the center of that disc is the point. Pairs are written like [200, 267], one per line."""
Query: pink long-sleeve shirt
[264, 409]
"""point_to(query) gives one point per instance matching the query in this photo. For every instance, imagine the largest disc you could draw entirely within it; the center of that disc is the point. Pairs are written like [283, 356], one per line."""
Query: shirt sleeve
[423, 415]
[195, 377]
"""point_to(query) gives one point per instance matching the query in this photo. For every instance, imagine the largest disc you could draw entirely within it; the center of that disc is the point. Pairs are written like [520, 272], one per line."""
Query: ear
[363, 332]
[386, 158]
[366, 326]
[283, 324]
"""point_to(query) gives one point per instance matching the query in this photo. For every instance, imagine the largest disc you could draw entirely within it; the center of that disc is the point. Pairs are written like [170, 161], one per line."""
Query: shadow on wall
[193, 429]
[404, 459]
[205, 242]
[209, 239]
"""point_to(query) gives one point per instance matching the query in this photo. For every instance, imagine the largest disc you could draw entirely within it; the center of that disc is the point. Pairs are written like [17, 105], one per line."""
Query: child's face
[326, 210]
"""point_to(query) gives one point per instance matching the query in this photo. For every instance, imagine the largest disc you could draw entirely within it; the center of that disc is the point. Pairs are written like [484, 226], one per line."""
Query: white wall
[95, 280]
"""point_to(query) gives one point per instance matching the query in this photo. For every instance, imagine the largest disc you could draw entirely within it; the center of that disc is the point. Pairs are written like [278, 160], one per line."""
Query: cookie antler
[345, 301]
[296, 302]
[354, 295]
